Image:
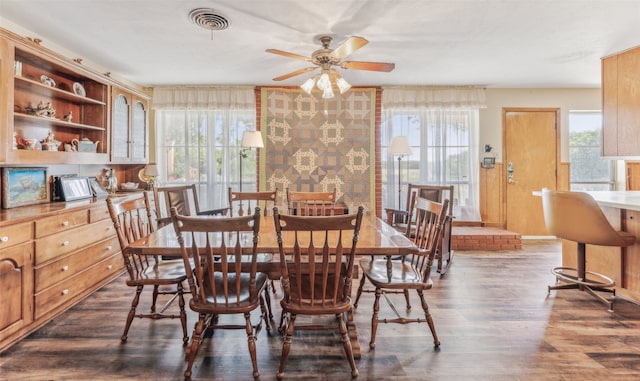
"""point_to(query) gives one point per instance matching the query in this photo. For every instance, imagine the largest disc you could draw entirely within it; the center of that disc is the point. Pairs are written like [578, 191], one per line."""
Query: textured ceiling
[492, 43]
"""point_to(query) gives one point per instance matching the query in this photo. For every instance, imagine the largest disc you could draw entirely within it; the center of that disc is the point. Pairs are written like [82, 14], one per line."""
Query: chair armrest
[214, 212]
[395, 216]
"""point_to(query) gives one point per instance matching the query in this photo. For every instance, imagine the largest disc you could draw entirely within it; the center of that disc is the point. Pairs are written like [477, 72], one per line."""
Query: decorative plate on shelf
[47, 81]
[78, 89]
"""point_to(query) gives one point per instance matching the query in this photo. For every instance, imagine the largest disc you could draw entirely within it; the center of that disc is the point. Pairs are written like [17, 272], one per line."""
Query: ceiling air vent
[209, 19]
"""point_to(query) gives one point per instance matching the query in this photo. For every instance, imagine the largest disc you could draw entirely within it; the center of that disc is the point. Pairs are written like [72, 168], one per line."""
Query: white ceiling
[492, 43]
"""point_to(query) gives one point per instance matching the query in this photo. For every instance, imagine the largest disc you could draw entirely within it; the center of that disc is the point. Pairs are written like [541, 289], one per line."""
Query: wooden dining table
[376, 238]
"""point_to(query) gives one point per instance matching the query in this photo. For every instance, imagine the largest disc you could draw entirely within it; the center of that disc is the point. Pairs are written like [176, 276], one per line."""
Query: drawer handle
[109, 248]
[109, 267]
[65, 243]
[65, 268]
[4, 239]
[65, 223]
[65, 291]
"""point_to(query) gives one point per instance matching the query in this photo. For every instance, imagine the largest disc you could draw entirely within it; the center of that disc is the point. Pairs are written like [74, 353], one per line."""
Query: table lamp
[151, 174]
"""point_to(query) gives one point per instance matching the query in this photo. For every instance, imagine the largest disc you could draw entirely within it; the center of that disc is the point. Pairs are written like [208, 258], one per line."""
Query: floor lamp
[399, 147]
[250, 139]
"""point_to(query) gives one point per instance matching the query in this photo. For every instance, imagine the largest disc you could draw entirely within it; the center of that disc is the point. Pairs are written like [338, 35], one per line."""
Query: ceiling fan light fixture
[324, 82]
[343, 85]
[307, 86]
[327, 93]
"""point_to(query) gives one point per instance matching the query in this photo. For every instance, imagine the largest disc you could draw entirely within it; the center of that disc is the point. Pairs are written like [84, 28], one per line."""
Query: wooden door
[531, 141]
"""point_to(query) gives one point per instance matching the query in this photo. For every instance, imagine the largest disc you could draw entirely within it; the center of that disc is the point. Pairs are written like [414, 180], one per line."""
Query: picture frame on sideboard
[23, 186]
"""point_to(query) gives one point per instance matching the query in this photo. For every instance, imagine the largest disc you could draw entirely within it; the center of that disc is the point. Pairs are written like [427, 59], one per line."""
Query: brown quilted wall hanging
[315, 144]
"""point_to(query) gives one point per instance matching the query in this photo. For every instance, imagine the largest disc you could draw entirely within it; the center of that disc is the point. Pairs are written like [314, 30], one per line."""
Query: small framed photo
[96, 188]
[488, 162]
[75, 188]
[24, 186]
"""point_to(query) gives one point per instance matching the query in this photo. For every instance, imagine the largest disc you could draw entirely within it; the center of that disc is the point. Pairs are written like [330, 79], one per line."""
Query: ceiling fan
[326, 58]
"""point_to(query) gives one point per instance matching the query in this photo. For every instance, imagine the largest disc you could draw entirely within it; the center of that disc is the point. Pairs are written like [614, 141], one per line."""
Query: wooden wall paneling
[491, 195]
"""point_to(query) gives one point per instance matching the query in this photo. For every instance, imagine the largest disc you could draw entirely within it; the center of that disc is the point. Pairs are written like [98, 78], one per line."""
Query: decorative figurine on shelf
[69, 117]
[15, 140]
[43, 109]
[50, 143]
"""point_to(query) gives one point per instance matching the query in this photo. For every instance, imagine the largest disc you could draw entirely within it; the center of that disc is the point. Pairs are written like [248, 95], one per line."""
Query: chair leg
[183, 314]
[429, 319]
[406, 297]
[196, 337]
[267, 298]
[155, 298]
[359, 293]
[132, 313]
[251, 341]
[374, 318]
[346, 343]
[263, 310]
[286, 346]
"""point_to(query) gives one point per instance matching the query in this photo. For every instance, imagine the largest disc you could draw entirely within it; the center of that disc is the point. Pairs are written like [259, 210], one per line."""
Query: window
[442, 143]
[203, 147]
[589, 171]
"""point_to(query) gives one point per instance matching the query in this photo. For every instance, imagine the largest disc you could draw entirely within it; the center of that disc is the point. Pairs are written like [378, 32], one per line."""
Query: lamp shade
[252, 139]
[399, 146]
[151, 170]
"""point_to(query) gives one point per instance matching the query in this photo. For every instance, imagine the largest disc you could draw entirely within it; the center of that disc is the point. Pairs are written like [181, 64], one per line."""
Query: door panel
[531, 150]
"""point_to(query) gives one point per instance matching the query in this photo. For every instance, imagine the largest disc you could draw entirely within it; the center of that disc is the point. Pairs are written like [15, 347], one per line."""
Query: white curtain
[442, 126]
[198, 135]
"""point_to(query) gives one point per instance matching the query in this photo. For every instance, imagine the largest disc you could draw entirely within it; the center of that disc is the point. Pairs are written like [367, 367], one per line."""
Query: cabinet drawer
[55, 224]
[68, 266]
[99, 213]
[82, 283]
[62, 243]
[15, 234]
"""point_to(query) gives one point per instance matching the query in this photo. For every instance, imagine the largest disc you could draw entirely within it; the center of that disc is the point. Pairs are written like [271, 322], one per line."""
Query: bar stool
[575, 216]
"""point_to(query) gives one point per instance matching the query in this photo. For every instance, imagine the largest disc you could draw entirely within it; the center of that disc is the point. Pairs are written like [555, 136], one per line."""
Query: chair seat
[165, 272]
[317, 309]
[232, 304]
[401, 275]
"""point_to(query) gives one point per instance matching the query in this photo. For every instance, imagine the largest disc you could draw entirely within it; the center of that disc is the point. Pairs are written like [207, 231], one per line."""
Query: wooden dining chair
[241, 203]
[411, 273]
[184, 198]
[218, 285]
[400, 220]
[316, 266]
[133, 220]
[311, 203]
[362, 289]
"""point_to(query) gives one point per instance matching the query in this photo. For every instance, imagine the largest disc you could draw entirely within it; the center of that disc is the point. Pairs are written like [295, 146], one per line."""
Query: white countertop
[618, 199]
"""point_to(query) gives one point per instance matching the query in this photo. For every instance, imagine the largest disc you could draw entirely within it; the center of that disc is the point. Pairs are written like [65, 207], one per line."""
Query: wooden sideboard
[51, 257]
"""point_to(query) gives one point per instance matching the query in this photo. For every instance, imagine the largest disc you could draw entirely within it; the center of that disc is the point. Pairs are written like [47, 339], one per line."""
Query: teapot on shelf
[84, 145]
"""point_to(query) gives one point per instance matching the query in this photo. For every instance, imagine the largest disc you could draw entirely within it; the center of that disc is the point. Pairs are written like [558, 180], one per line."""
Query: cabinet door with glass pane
[129, 128]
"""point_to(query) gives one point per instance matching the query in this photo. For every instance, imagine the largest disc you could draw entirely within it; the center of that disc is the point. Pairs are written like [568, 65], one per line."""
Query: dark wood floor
[491, 311]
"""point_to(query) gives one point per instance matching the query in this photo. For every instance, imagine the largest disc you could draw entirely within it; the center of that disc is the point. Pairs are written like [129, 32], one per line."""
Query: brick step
[484, 238]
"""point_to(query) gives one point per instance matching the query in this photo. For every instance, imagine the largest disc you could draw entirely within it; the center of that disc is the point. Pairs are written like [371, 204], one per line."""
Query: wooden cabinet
[52, 96]
[129, 135]
[43, 93]
[49, 262]
[16, 279]
[621, 104]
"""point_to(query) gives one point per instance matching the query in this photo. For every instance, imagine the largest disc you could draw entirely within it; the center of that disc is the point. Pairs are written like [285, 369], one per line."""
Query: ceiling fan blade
[349, 46]
[372, 66]
[287, 54]
[293, 74]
